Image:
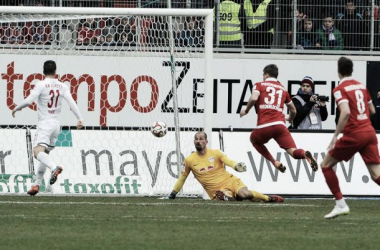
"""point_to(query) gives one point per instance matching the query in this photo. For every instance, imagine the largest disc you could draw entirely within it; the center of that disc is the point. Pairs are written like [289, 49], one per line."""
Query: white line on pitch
[160, 203]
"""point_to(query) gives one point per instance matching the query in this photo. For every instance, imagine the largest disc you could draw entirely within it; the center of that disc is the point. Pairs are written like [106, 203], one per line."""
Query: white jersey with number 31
[50, 93]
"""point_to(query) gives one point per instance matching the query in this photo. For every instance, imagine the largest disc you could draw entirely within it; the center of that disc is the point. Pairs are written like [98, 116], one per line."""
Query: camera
[322, 98]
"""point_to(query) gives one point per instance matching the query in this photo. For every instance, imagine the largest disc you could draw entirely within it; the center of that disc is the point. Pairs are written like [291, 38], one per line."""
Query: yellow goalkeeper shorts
[230, 187]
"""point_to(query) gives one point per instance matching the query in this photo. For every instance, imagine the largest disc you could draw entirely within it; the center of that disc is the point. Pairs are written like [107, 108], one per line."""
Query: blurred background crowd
[251, 24]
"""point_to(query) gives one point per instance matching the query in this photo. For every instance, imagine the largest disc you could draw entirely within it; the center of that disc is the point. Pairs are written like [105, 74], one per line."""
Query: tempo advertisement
[136, 91]
[137, 163]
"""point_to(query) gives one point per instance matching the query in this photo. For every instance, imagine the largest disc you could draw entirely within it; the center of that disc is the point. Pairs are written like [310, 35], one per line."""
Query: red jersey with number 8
[270, 105]
[358, 98]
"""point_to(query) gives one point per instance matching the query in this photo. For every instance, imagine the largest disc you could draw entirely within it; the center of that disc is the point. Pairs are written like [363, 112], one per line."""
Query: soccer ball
[159, 129]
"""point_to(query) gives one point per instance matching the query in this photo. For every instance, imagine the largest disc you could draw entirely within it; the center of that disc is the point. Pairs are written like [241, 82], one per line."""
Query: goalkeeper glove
[172, 196]
[241, 167]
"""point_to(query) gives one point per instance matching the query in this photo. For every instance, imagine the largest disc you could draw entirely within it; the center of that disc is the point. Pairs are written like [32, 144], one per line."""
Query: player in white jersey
[49, 94]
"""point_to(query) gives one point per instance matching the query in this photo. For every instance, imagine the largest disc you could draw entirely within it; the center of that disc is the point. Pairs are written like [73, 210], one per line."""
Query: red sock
[264, 152]
[378, 180]
[299, 154]
[332, 182]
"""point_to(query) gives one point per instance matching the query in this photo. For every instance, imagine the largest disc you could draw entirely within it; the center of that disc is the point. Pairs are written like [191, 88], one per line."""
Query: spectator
[310, 111]
[264, 22]
[39, 3]
[306, 38]
[300, 18]
[14, 33]
[233, 15]
[158, 32]
[376, 117]
[109, 41]
[328, 37]
[123, 40]
[125, 27]
[190, 35]
[38, 32]
[89, 32]
[353, 27]
[100, 41]
[367, 11]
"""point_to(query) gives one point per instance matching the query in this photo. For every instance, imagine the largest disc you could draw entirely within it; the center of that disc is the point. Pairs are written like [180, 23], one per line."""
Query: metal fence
[299, 26]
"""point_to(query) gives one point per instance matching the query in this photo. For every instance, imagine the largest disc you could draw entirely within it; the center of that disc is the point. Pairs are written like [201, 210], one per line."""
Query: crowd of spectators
[346, 25]
[320, 25]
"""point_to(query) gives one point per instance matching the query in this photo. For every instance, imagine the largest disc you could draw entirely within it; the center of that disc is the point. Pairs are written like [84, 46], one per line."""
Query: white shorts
[47, 134]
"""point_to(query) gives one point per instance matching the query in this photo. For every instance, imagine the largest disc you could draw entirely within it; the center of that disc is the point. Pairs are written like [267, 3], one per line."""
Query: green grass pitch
[43, 222]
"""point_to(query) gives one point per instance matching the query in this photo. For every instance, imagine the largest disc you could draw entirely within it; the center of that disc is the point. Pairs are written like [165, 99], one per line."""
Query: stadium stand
[276, 26]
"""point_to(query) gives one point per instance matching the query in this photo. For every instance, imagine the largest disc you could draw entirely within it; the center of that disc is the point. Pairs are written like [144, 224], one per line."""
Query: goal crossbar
[107, 11]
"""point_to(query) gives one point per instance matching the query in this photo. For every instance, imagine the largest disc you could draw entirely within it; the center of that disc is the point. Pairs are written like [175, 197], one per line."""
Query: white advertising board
[117, 91]
[353, 176]
[136, 163]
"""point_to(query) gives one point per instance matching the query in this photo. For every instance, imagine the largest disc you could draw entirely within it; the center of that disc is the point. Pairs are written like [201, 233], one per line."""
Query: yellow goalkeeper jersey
[209, 169]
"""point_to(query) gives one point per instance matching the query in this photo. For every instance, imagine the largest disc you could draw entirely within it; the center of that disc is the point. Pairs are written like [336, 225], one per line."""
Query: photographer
[376, 117]
[311, 108]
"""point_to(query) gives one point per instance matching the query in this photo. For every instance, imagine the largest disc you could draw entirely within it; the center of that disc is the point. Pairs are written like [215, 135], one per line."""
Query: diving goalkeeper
[208, 168]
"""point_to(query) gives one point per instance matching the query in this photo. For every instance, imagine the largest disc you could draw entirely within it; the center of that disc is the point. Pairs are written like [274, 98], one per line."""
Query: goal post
[121, 86]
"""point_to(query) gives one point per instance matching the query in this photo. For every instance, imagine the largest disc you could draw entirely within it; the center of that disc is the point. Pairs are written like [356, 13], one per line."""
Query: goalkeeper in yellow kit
[208, 167]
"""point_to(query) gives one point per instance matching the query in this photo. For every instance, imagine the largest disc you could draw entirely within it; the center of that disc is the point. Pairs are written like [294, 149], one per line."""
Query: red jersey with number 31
[270, 105]
[358, 98]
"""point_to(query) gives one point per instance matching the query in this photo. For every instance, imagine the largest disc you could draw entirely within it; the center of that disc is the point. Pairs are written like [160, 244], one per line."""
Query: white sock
[40, 173]
[46, 159]
[341, 203]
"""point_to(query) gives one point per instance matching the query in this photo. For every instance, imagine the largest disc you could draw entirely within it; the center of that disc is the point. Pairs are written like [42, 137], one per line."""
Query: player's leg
[285, 140]
[239, 191]
[252, 195]
[258, 138]
[374, 170]
[231, 190]
[41, 154]
[257, 196]
[299, 153]
[40, 173]
[41, 143]
[44, 142]
[371, 157]
[53, 139]
[341, 207]
[345, 148]
[41, 169]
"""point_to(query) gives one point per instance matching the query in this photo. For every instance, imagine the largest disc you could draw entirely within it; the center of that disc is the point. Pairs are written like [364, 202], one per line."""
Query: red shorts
[364, 143]
[277, 132]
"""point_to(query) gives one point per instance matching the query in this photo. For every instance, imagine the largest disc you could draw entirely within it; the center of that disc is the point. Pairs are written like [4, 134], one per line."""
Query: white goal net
[126, 68]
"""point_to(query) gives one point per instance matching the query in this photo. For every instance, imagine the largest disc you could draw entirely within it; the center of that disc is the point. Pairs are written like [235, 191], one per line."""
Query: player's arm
[292, 110]
[73, 107]
[34, 93]
[251, 102]
[343, 118]
[237, 166]
[372, 109]
[180, 182]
